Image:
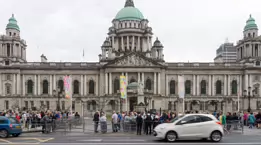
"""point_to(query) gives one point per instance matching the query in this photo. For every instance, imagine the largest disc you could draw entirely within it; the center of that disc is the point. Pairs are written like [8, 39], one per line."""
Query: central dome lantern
[129, 12]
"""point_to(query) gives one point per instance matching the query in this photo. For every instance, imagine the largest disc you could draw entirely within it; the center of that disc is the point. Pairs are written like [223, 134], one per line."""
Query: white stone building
[129, 51]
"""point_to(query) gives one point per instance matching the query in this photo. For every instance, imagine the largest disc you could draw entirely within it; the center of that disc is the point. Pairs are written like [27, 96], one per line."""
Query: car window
[176, 118]
[205, 118]
[13, 120]
[191, 119]
[2, 121]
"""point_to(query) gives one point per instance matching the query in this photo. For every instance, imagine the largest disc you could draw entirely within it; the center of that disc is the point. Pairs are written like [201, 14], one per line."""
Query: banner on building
[68, 87]
[123, 87]
[181, 86]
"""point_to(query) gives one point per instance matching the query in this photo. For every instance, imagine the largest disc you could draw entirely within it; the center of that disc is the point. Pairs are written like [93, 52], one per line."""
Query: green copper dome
[12, 24]
[129, 12]
[250, 24]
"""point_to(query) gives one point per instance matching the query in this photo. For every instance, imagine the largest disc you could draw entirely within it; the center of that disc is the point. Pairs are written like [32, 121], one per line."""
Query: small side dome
[106, 43]
[250, 24]
[12, 24]
[157, 43]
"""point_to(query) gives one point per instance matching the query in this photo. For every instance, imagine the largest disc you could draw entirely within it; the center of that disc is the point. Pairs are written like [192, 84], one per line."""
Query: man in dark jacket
[96, 119]
[139, 121]
[148, 122]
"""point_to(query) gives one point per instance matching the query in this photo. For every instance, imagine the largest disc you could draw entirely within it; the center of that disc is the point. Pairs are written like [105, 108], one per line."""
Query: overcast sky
[190, 30]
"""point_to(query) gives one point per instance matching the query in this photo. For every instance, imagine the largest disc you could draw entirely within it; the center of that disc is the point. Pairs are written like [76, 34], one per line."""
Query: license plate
[18, 127]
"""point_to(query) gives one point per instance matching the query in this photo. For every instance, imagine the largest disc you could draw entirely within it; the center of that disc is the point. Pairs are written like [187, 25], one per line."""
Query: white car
[190, 126]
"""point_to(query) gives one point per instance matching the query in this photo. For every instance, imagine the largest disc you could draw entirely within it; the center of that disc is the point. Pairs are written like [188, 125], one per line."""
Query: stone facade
[127, 51]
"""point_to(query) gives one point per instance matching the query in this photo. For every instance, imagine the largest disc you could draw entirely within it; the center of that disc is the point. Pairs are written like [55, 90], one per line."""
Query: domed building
[151, 82]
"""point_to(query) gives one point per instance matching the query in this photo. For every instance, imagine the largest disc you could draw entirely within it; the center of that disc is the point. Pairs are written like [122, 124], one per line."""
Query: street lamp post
[58, 95]
[248, 95]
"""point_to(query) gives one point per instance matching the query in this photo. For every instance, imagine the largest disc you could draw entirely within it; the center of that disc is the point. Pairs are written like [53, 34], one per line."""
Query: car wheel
[216, 136]
[4, 134]
[171, 136]
[16, 135]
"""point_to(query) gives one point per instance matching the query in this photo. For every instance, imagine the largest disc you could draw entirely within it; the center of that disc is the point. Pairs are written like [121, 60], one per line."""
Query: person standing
[114, 122]
[148, 122]
[251, 120]
[139, 121]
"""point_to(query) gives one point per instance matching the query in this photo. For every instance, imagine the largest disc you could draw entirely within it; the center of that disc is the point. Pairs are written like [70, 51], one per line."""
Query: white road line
[249, 143]
[90, 140]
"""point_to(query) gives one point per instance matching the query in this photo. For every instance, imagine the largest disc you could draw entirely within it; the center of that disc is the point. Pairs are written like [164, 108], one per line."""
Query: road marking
[90, 140]
[206, 143]
[6, 141]
[37, 139]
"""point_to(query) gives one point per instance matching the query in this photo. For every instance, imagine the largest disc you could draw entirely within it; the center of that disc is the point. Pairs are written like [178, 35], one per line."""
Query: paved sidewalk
[253, 131]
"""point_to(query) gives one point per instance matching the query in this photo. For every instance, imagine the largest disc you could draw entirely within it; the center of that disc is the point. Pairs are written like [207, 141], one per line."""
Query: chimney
[43, 58]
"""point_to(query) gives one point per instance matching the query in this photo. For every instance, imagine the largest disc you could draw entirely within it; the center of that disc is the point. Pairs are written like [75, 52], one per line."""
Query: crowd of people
[148, 121]
[31, 119]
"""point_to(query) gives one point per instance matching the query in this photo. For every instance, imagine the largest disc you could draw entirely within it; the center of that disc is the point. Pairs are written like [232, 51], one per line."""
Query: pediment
[133, 60]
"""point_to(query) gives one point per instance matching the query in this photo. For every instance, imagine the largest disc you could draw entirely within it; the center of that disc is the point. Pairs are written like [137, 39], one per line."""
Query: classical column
[35, 85]
[133, 39]
[39, 85]
[97, 85]
[1, 90]
[18, 84]
[209, 85]
[23, 85]
[138, 77]
[198, 85]
[138, 45]
[128, 43]
[54, 82]
[246, 82]
[50, 85]
[228, 85]
[250, 84]
[225, 85]
[167, 85]
[82, 83]
[106, 83]
[110, 84]
[194, 85]
[112, 39]
[148, 43]
[143, 79]
[213, 85]
[159, 83]
[155, 83]
[122, 44]
[240, 85]
[14, 84]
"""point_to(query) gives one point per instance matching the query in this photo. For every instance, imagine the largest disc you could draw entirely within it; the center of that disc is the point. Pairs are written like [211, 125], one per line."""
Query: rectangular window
[26, 104]
[63, 105]
[42, 104]
[48, 105]
[6, 105]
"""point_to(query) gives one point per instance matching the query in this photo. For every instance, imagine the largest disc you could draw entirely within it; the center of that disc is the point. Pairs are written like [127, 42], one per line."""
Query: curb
[31, 131]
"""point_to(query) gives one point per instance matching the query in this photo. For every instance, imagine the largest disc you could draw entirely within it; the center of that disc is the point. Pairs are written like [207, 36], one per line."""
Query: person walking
[139, 121]
[96, 121]
[251, 120]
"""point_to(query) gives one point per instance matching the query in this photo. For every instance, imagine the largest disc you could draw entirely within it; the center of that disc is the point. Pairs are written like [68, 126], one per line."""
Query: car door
[205, 125]
[189, 127]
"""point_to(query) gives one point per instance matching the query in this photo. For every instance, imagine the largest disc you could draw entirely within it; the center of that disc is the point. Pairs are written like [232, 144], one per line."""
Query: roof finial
[250, 16]
[129, 3]
[13, 15]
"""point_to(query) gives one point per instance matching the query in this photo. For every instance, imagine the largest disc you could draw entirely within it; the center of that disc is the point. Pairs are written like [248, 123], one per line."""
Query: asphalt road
[120, 139]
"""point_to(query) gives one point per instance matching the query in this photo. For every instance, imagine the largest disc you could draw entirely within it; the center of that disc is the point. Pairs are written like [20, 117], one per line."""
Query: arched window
[188, 87]
[203, 86]
[29, 87]
[116, 85]
[60, 85]
[148, 84]
[8, 89]
[234, 87]
[76, 87]
[132, 80]
[91, 87]
[218, 87]
[45, 87]
[172, 87]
